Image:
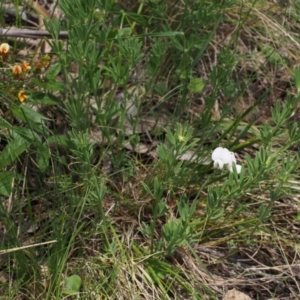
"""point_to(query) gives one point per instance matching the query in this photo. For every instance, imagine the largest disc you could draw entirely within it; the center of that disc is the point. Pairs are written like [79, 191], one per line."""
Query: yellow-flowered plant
[17, 75]
[22, 96]
[17, 70]
[25, 66]
[4, 49]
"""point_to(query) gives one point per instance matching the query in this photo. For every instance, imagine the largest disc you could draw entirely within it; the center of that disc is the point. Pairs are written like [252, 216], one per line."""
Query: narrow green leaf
[26, 133]
[13, 150]
[49, 85]
[30, 113]
[54, 86]
[6, 183]
[53, 71]
[45, 98]
[33, 119]
[137, 18]
[43, 157]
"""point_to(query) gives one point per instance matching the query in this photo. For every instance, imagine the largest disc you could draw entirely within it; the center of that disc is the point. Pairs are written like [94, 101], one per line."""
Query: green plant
[106, 159]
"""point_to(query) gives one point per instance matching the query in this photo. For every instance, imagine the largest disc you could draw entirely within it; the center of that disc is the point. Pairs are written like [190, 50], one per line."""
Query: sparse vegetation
[108, 188]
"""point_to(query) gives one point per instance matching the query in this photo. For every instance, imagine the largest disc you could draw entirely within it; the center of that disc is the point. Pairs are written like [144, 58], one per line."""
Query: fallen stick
[30, 33]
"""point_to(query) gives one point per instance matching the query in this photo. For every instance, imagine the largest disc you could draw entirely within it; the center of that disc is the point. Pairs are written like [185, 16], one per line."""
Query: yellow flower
[22, 96]
[42, 64]
[25, 66]
[4, 48]
[17, 69]
[181, 138]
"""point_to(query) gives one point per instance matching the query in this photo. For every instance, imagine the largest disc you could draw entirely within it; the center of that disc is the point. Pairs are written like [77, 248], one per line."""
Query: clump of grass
[107, 185]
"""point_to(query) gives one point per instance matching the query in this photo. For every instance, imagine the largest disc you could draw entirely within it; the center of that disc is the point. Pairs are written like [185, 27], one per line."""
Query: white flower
[222, 156]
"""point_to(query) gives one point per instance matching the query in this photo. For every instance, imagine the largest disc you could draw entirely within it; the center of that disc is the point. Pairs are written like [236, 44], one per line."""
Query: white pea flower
[222, 156]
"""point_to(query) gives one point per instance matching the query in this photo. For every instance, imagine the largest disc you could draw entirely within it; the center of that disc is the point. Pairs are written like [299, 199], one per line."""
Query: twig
[26, 247]
[29, 33]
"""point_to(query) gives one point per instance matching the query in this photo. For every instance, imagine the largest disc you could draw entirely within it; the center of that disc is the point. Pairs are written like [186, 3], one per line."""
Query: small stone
[236, 295]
